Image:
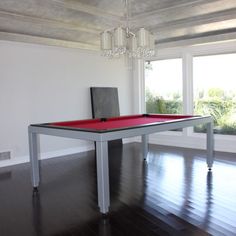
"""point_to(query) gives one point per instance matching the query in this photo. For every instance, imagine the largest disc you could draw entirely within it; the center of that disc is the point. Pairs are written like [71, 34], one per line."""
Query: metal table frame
[102, 138]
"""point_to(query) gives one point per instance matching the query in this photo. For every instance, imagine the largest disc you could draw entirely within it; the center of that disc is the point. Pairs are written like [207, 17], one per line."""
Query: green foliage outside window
[157, 104]
[221, 106]
[215, 102]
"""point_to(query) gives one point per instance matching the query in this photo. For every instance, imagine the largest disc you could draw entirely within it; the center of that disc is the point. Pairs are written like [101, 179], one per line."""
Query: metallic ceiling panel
[81, 21]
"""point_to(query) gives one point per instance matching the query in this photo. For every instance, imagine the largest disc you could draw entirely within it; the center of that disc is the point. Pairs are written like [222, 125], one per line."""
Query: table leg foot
[35, 189]
[105, 215]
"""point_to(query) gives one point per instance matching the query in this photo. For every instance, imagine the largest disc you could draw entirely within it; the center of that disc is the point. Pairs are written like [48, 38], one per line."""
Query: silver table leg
[33, 152]
[103, 177]
[145, 145]
[210, 144]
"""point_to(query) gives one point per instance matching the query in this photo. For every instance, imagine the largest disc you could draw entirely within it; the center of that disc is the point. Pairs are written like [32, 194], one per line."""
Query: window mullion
[187, 68]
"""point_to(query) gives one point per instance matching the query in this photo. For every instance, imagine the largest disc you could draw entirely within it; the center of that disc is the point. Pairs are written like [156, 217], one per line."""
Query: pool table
[105, 129]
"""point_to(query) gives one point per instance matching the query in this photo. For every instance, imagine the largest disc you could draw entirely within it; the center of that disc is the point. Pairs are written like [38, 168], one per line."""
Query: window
[214, 88]
[163, 86]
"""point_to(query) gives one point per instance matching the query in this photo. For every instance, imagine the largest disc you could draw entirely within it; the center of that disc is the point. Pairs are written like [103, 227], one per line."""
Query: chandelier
[121, 40]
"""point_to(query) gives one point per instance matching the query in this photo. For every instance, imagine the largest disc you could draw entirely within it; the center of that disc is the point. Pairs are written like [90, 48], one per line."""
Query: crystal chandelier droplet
[122, 40]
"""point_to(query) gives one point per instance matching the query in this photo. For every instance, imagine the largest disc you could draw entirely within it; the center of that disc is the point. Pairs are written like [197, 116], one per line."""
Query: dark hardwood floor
[172, 193]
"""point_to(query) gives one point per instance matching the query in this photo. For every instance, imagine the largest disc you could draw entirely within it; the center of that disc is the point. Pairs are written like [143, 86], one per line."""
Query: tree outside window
[163, 86]
[214, 83]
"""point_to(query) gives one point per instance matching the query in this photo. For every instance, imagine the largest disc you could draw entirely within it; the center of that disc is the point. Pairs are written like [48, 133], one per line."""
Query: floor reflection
[172, 190]
[185, 209]
[209, 201]
[6, 175]
[104, 227]
[179, 183]
[37, 213]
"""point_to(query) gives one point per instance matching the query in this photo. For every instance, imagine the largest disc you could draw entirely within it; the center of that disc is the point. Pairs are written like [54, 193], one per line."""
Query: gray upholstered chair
[105, 104]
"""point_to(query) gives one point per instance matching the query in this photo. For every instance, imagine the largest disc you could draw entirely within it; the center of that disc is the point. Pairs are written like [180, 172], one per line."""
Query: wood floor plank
[171, 193]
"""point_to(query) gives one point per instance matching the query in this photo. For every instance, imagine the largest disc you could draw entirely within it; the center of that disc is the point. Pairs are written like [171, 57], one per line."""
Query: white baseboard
[178, 142]
[48, 155]
[197, 141]
[55, 154]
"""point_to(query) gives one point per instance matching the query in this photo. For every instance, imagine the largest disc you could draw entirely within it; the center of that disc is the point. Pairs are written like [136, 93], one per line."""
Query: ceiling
[78, 23]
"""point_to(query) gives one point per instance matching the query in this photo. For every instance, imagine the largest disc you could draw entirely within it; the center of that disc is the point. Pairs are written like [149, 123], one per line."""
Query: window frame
[223, 142]
[178, 133]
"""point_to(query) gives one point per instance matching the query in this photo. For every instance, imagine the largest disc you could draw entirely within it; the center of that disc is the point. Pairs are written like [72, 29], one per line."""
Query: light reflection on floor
[184, 187]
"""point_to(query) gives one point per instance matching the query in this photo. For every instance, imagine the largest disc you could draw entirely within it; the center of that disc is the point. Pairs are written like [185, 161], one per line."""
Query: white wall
[42, 84]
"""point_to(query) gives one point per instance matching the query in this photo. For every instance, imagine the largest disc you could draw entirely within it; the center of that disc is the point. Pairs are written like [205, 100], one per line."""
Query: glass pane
[214, 83]
[163, 86]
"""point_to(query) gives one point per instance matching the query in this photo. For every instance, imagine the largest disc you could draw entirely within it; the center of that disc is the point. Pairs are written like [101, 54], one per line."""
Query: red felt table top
[119, 122]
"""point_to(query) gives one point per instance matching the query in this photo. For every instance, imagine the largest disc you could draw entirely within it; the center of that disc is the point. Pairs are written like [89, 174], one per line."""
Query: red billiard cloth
[119, 122]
